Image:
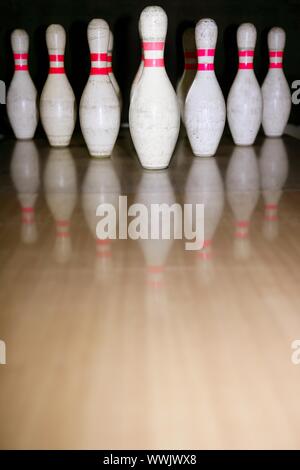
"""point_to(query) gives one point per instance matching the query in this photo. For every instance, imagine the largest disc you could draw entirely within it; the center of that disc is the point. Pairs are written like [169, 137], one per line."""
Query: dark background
[122, 16]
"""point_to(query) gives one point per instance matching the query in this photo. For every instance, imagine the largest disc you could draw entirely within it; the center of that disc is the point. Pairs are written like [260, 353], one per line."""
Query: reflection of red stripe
[249, 53]
[56, 70]
[27, 209]
[156, 269]
[21, 56]
[190, 55]
[241, 234]
[242, 223]
[99, 71]
[62, 223]
[190, 66]
[21, 67]
[274, 65]
[153, 46]
[271, 207]
[244, 66]
[206, 67]
[154, 63]
[102, 56]
[207, 243]
[271, 218]
[56, 57]
[102, 241]
[103, 254]
[276, 54]
[62, 234]
[205, 52]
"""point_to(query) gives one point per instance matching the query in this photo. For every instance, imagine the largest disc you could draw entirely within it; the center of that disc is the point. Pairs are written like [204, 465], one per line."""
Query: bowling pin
[110, 69]
[99, 110]
[274, 166]
[60, 182]
[242, 185]
[154, 116]
[244, 103]
[25, 174]
[275, 89]
[140, 69]
[57, 104]
[190, 68]
[100, 186]
[205, 186]
[205, 112]
[22, 95]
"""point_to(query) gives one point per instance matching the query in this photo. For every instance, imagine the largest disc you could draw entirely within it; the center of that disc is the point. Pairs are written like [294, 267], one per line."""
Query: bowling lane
[141, 343]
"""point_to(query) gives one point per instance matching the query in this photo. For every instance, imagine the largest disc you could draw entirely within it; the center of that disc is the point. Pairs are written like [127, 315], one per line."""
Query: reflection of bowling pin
[244, 103]
[205, 186]
[275, 89]
[155, 188]
[99, 106]
[154, 117]
[100, 186]
[25, 175]
[110, 69]
[190, 68]
[57, 104]
[242, 184]
[204, 112]
[274, 166]
[61, 192]
[22, 96]
[140, 69]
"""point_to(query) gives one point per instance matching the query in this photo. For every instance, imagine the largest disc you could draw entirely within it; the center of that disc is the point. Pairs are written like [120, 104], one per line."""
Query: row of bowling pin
[200, 97]
[100, 104]
[245, 179]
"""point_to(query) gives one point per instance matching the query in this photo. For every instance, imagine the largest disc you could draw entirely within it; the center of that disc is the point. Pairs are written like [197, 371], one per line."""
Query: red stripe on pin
[190, 55]
[109, 69]
[21, 67]
[274, 65]
[99, 71]
[27, 209]
[205, 52]
[206, 67]
[56, 57]
[154, 63]
[56, 70]
[249, 53]
[21, 56]
[242, 223]
[245, 66]
[153, 46]
[102, 56]
[109, 58]
[276, 53]
[190, 66]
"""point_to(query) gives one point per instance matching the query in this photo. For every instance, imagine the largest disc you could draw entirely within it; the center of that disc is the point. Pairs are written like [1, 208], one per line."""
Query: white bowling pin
[205, 112]
[156, 188]
[242, 185]
[275, 89]
[100, 186]
[154, 117]
[140, 69]
[244, 103]
[60, 181]
[190, 68]
[22, 95]
[99, 106]
[25, 174]
[57, 104]
[205, 186]
[110, 69]
[274, 166]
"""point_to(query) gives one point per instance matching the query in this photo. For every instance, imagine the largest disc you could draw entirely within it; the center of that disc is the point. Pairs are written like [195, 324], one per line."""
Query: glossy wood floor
[143, 344]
